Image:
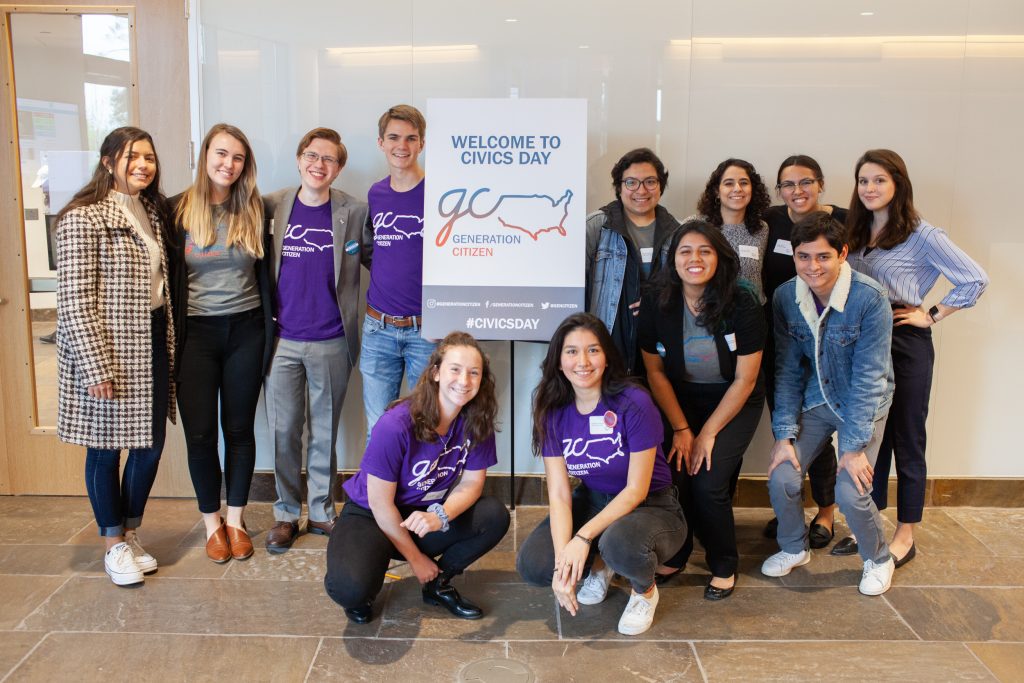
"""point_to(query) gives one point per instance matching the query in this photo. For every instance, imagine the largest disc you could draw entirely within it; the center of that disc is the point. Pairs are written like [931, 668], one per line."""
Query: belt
[395, 320]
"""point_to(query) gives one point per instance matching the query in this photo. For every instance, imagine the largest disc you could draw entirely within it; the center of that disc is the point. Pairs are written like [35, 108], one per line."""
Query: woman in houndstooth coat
[115, 342]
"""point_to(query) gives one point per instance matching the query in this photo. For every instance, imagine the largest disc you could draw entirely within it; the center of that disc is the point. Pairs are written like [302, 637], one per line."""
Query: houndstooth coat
[103, 327]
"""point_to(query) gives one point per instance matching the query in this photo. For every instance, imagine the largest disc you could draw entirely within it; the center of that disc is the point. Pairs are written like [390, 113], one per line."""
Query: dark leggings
[223, 357]
[913, 357]
[706, 497]
[358, 552]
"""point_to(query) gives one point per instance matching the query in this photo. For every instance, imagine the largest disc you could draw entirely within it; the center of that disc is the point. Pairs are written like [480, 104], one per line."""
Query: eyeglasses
[789, 185]
[313, 157]
[651, 183]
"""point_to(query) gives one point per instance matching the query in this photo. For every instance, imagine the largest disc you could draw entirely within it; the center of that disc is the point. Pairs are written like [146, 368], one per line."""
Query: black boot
[440, 592]
[360, 615]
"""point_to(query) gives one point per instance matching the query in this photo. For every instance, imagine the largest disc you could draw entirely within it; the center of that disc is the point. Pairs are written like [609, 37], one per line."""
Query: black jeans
[358, 552]
[913, 358]
[633, 545]
[706, 497]
[223, 356]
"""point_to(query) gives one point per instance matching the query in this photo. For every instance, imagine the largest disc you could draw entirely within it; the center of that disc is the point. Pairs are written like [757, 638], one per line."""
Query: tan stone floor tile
[953, 570]
[49, 560]
[359, 659]
[839, 661]
[190, 606]
[22, 595]
[294, 565]
[1000, 529]
[1005, 660]
[14, 645]
[176, 561]
[966, 614]
[167, 657]
[36, 519]
[511, 611]
[608, 661]
[940, 533]
[167, 521]
[751, 613]
[497, 566]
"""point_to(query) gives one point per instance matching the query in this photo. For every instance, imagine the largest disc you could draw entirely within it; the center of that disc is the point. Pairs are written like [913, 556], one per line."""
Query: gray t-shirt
[643, 240]
[700, 352]
[750, 249]
[221, 280]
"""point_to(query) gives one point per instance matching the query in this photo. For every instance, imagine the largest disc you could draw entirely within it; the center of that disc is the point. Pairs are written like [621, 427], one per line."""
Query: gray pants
[816, 427]
[316, 372]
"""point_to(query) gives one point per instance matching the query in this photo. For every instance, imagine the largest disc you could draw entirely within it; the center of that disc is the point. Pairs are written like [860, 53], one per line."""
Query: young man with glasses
[317, 237]
[626, 241]
[393, 235]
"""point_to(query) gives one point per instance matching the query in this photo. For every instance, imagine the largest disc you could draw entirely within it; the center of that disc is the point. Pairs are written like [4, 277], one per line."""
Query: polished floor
[954, 613]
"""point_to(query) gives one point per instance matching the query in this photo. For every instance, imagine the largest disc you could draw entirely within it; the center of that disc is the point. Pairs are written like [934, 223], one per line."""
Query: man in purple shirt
[317, 237]
[393, 252]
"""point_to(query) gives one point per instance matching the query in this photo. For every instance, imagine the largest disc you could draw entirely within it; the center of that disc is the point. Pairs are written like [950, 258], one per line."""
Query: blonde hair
[244, 206]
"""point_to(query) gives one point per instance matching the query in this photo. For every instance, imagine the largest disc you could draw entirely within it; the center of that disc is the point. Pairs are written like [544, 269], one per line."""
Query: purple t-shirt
[396, 273]
[307, 295]
[425, 472]
[596, 447]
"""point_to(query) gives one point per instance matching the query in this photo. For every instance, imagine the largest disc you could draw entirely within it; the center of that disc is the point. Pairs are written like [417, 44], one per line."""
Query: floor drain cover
[496, 671]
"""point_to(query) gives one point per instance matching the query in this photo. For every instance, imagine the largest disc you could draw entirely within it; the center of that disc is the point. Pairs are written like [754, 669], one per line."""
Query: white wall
[940, 81]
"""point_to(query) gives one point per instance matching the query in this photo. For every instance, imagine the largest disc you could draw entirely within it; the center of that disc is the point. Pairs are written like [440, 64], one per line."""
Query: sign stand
[512, 420]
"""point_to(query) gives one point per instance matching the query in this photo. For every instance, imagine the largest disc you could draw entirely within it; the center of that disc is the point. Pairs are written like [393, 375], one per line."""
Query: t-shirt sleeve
[647, 330]
[641, 421]
[483, 455]
[552, 447]
[750, 324]
[389, 443]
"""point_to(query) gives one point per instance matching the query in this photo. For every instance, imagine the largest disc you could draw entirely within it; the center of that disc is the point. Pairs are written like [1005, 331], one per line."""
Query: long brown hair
[117, 143]
[480, 414]
[903, 217]
[244, 207]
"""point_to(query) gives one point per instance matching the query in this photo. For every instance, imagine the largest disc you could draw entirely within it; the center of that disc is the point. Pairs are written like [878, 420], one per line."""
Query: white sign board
[503, 237]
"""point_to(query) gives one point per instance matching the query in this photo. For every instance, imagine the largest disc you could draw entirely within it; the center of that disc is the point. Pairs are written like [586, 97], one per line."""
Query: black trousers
[358, 552]
[706, 497]
[913, 358]
[223, 357]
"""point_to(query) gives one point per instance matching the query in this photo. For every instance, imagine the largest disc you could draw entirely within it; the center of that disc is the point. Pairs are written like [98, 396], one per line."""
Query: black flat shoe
[911, 554]
[662, 579]
[771, 529]
[360, 615]
[715, 593]
[820, 535]
[441, 593]
[846, 546]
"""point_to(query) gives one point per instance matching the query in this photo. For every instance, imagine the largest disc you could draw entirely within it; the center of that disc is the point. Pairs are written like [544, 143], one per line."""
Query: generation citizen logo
[311, 238]
[530, 214]
[422, 469]
[606, 448]
[389, 227]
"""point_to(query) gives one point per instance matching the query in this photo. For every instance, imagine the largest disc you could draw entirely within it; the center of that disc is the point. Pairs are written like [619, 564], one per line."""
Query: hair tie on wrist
[583, 538]
[681, 429]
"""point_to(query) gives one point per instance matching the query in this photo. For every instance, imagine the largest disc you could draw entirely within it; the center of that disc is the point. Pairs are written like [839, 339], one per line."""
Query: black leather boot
[360, 615]
[440, 592]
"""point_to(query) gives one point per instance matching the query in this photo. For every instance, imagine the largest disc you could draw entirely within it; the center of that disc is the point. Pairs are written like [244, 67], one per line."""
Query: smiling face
[458, 377]
[225, 159]
[875, 186]
[696, 260]
[818, 264]
[317, 176]
[401, 145]
[800, 189]
[133, 170]
[641, 202]
[583, 361]
[734, 189]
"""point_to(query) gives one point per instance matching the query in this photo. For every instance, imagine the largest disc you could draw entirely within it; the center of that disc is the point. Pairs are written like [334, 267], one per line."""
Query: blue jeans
[386, 354]
[118, 505]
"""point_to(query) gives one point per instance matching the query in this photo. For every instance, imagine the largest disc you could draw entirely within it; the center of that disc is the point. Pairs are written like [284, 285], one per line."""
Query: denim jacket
[845, 352]
[608, 250]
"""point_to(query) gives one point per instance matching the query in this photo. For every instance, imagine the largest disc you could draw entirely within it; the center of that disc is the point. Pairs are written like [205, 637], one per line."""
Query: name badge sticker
[646, 254]
[730, 341]
[435, 495]
[748, 251]
[783, 247]
[598, 425]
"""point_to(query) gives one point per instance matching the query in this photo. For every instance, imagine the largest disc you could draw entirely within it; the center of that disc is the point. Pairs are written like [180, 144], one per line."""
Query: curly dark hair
[554, 390]
[711, 206]
[480, 413]
[903, 217]
[720, 293]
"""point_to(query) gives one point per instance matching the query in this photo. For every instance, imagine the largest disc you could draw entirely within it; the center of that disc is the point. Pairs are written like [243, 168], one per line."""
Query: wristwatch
[932, 312]
[438, 510]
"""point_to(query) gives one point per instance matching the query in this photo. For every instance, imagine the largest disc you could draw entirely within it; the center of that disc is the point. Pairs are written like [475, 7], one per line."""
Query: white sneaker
[639, 614]
[121, 567]
[782, 563]
[877, 577]
[595, 587]
[146, 562]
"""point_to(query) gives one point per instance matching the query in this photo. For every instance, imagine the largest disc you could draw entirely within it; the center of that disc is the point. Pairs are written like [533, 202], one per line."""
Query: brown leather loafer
[281, 536]
[322, 528]
[241, 544]
[217, 547]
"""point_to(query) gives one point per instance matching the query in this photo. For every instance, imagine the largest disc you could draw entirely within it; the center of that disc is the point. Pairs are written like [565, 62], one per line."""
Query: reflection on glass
[72, 82]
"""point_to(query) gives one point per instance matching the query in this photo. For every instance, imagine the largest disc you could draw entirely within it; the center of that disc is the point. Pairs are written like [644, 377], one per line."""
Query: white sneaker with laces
[782, 563]
[877, 578]
[595, 587]
[639, 613]
[146, 562]
[121, 567]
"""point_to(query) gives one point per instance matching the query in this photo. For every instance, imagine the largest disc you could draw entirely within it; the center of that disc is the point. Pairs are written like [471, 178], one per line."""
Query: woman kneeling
[590, 422]
[417, 493]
